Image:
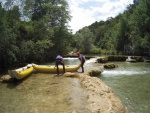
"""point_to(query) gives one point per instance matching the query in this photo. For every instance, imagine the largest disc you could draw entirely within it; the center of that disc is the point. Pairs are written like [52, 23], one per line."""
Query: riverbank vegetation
[33, 31]
[37, 30]
[127, 34]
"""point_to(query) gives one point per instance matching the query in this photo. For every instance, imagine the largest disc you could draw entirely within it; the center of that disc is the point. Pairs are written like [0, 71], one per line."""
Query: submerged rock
[94, 72]
[6, 78]
[110, 65]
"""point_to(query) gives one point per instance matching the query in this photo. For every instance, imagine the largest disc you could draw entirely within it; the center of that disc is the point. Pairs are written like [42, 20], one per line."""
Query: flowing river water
[129, 81]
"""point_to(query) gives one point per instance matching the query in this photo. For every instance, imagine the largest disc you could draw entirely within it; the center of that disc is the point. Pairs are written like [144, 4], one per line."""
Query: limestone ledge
[100, 97]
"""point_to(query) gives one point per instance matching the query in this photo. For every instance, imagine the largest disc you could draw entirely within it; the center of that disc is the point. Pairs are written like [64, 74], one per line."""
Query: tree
[8, 35]
[33, 31]
[84, 40]
[52, 17]
[55, 11]
[140, 26]
[136, 2]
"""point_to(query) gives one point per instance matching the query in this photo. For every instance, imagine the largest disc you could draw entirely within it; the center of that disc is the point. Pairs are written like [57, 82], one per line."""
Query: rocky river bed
[67, 93]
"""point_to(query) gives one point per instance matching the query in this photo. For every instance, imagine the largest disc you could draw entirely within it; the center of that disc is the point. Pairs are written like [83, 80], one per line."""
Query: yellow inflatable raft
[21, 72]
[53, 69]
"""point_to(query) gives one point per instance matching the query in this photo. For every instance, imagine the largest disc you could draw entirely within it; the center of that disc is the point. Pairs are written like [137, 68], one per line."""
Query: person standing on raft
[82, 60]
[60, 61]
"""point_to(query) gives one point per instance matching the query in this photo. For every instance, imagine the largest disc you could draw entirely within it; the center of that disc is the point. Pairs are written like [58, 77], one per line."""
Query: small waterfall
[91, 60]
[113, 73]
[75, 61]
[71, 61]
[127, 69]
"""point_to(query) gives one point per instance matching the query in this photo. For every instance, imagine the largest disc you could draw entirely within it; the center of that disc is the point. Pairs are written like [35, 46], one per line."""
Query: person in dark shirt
[82, 60]
[60, 61]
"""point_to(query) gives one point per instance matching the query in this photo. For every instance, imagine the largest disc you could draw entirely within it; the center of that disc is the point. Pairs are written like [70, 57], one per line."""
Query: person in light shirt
[82, 60]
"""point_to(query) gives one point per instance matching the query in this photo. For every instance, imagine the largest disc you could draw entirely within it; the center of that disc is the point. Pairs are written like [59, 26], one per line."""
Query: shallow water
[42, 93]
[131, 82]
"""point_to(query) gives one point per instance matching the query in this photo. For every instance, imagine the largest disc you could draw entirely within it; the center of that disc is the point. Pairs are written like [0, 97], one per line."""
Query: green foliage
[36, 30]
[84, 40]
[127, 33]
[8, 35]
[95, 50]
[33, 31]
[117, 58]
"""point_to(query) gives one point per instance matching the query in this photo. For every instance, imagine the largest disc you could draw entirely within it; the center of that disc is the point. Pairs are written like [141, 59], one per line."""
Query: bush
[138, 58]
[102, 59]
[117, 58]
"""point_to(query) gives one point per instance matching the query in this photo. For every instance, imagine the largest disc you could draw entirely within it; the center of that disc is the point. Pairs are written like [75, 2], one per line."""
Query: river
[131, 83]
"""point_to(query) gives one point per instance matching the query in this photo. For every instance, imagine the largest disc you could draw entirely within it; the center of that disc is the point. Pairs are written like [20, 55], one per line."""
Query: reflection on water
[131, 82]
